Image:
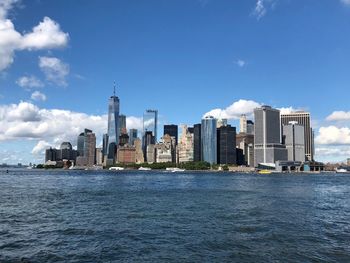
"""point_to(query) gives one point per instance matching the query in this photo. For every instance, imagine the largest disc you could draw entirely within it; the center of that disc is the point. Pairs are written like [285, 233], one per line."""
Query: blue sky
[184, 58]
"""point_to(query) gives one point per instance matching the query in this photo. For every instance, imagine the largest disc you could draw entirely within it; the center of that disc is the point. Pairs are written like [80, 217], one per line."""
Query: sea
[148, 216]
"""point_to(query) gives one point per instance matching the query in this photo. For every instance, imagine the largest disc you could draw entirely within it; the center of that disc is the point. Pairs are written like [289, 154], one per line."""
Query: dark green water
[173, 217]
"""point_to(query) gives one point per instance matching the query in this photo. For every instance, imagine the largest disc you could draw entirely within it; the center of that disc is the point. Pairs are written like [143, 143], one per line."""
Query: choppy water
[160, 217]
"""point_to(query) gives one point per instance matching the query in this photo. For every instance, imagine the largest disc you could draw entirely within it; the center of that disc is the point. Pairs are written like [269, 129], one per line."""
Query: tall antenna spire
[114, 89]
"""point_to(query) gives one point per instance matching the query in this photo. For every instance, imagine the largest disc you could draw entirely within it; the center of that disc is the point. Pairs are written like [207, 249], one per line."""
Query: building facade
[302, 118]
[113, 129]
[122, 124]
[185, 146]
[132, 136]
[209, 139]
[294, 140]
[197, 143]
[172, 130]
[226, 145]
[126, 154]
[267, 137]
[150, 122]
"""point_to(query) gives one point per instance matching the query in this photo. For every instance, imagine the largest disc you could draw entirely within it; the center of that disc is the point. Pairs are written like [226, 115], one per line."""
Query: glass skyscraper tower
[113, 127]
[209, 140]
[150, 119]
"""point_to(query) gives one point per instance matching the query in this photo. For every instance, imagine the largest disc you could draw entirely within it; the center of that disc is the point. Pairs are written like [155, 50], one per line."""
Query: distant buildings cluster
[271, 140]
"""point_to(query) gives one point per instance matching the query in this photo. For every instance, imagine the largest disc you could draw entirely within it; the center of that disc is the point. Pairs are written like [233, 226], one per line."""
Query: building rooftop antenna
[114, 88]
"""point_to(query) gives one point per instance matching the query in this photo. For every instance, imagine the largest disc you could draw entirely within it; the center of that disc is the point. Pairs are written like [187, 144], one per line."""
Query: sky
[185, 58]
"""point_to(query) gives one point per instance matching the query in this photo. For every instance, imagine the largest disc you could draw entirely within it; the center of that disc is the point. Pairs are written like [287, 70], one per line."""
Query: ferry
[174, 169]
[144, 169]
[116, 168]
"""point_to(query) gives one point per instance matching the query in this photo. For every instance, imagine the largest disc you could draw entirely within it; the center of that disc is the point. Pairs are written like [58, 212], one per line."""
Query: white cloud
[288, 110]
[333, 135]
[339, 115]
[36, 95]
[235, 110]
[46, 35]
[54, 69]
[346, 2]
[260, 9]
[40, 147]
[29, 82]
[26, 121]
[241, 63]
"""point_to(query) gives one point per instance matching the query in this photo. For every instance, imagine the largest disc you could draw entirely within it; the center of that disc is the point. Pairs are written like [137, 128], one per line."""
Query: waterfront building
[209, 139]
[172, 130]
[226, 145]
[51, 155]
[139, 157]
[89, 147]
[185, 146]
[150, 122]
[132, 136]
[294, 140]
[164, 149]
[126, 154]
[150, 153]
[122, 124]
[66, 152]
[197, 143]
[113, 128]
[148, 139]
[267, 137]
[302, 118]
[243, 140]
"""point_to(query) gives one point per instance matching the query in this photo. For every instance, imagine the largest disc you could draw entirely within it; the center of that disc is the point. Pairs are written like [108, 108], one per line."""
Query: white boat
[174, 169]
[116, 168]
[341, 170]
[144, 169]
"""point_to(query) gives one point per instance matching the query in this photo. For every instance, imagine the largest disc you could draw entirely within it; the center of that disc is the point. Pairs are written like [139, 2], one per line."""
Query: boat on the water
[116, 168]
[144, 169]
[174, 169]
[264, 172]
[342, 170]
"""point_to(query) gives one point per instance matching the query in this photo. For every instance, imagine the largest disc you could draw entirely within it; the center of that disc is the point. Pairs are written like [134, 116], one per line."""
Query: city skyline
[49, 90]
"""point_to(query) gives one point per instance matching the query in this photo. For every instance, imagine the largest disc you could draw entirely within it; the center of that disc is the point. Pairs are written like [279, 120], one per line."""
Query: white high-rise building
[243, 124]
[186, 146]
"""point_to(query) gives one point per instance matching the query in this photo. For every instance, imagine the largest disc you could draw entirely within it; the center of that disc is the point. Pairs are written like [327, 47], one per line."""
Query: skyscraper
[294, 140]
[250, 127]
[243, 124]
[302, 118]
[226, 145]
[122, 124]
[171, 130]
[132, 136]
[209, 140]
[267, 136]
[197, 143]
[185, 146]
[88, 157]
[150, 122]
[113, 127]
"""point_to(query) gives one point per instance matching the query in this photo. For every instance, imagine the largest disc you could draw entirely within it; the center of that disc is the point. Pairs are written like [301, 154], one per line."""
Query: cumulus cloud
[29, 82]
[333, 135]
[46, 35]
[288, 110]
[40, 147]
[50, 127]
[36, 95]
[339, 115]
[54, 69]
[235, 110]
